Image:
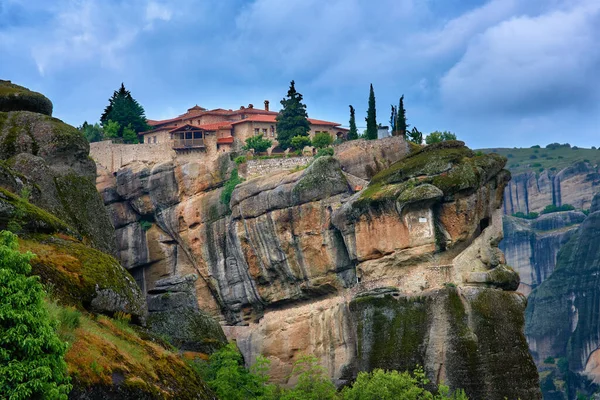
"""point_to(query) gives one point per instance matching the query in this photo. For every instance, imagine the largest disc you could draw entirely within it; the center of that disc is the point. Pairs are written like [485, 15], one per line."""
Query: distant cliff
[401, 272]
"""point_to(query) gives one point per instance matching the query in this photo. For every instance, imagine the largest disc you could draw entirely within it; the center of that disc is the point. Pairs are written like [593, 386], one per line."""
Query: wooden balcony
[184, 144]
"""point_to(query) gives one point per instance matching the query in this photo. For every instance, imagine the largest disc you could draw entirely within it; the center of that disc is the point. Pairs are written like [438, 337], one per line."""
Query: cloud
[529, 65]
[157, 11]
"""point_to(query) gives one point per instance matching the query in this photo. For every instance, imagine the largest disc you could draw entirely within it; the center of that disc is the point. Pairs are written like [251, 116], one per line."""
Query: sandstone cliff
[531, 246]
[562, 316]
[402, 272]
[532, 192]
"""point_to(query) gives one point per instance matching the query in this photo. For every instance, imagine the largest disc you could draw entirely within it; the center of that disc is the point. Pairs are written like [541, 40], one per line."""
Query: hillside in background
[533, 159]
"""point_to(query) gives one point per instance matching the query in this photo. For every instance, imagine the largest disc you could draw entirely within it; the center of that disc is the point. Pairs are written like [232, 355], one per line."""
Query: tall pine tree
[401, 125]
[126, 111]
[371, 117]
[353, 134]
[292, 119]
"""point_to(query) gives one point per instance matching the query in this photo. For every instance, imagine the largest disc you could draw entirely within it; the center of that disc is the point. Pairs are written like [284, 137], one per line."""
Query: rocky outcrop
[531, 246]
[17, 98]
[532, 192]
[562, 318]
[288, 264]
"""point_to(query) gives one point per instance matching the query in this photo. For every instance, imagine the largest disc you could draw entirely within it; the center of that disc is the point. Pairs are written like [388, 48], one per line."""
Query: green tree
[401, 125]
[322, 140]
[129, 135]
[32, 362]
[257, 143]
[292, 119]
[371, 116]
[229, 379]
[93, 133]
[393, 119]
[111, 129]
[299, 142]
[313, 382]
[125, 110]
[437, 136]
[392, 385]
[415, 136]
[353, 133]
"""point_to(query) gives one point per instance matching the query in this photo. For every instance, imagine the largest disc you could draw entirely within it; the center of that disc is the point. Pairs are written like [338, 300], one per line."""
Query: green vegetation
[398, 123]
[18, 98]
[240, 160]
[554, 157]
[292, 119]
[437, 136]
[353, 133]
[551, 208]
[414, 136]
[299, 142]
[371, 119]
[322, 140]
[226, 376]
[257, 143]
[229, 186]
[531, 215]
[549, 360]
[32, 354]
[127, 112]
[328, 151]
[93, 133]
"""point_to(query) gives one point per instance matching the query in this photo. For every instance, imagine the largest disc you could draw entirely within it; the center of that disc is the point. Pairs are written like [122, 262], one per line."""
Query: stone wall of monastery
[113, 156]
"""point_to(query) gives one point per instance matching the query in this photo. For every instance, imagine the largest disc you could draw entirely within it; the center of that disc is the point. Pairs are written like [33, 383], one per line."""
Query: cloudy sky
[499, 73]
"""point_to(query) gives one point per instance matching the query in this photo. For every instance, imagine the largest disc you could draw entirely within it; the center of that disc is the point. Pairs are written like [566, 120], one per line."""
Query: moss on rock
[18, 98]
[322, 179]
[82, 276]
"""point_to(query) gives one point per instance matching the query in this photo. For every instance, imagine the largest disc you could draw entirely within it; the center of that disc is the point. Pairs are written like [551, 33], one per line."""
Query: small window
[256, 131]
[272, 131]
[154, 139]
[264, 131]
[197, 135]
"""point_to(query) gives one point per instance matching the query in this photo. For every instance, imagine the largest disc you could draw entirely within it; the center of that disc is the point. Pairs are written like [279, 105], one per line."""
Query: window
[272, 131]
[154, 139]
[256, 131]
[264, 132]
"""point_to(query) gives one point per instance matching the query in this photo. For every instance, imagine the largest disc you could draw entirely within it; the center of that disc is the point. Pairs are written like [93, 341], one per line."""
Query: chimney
[242, 108]
[266, 105]
[250, 105]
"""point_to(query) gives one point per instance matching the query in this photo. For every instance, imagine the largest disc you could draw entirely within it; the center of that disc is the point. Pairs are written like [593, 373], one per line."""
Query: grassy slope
[520, 161]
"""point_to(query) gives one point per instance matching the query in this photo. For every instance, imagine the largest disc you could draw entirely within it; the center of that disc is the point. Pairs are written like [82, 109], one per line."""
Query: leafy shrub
[541, 170]
[554, 146]
[146, 225]
[257, 143]
[549, 360]
[536, 151]
[531, 215]
[533, 157]
[437, 136]
[321, 140]
[537, 146]
[32, 354]
[328, 151]
[240, 160]
[300, 142]
[535, 165]
[551, 208]
[229, 186]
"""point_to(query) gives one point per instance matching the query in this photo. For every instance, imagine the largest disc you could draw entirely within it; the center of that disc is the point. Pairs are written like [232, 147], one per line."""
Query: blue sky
[501, 73]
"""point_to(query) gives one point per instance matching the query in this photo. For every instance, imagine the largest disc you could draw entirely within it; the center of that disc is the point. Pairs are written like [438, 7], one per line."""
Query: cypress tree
[393, 119]
[292, 119]
[371, 117]
[353, 134]
[401, 125]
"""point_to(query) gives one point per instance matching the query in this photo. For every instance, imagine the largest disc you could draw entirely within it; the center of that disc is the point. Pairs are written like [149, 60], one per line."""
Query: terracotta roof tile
[216, 126]
[225, 140]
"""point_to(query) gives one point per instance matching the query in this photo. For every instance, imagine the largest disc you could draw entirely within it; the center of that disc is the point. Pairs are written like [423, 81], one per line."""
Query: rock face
[562, 317]
[531, 246]
[531, 192]
[404, 271]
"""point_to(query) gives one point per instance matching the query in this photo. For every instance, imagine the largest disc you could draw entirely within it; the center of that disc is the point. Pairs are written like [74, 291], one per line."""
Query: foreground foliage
[32, 361]
[227, 377]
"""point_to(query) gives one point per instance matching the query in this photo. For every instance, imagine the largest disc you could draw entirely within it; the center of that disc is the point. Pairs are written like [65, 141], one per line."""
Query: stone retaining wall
[113, 156]
[271, 165]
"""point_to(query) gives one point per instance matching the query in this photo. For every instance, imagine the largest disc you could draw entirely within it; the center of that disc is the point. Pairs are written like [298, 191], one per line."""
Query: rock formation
[531, 246]
[405, 271]
[48, 197]
[532, 192]
[562, 316]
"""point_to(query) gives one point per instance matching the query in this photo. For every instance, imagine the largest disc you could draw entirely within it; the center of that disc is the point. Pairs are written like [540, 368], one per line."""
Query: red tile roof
[225, 140]
[257, 118]
[183, 126]
[321, 122]
[162, 128]
[216, 126]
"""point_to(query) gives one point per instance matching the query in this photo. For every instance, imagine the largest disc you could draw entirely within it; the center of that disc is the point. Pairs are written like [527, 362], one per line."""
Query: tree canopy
[401, 125]
[123, 109]
[257, 143]
[415, 136]
[292, 119]
[321, 140]
[93, 133]
[371, 116]
[33, 365]
[437, 136]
